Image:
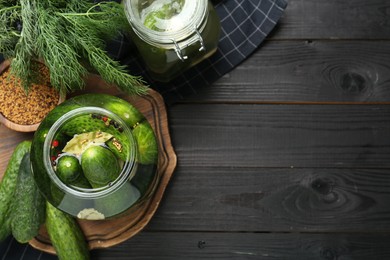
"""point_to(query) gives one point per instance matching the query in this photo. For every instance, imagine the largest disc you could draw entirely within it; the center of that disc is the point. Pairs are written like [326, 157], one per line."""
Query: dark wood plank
[275, 200]
[305, 71]
[256, 135]
[151, 245]
[334, 19]
[227, 178]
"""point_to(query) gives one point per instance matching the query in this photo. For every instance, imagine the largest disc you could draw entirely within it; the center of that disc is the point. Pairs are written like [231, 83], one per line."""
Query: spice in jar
[27, 108]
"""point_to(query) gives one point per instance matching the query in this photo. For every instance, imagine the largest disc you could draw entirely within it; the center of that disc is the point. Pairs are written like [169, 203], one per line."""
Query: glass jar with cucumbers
[173, 35]
[95, 156]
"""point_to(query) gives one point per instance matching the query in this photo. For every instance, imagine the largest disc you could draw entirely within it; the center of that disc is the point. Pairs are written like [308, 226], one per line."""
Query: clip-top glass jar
[173, 35]
[95, 156]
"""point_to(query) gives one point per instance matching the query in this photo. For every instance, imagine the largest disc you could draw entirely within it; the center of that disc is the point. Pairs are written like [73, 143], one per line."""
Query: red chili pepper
[55, 143]
[105, 118]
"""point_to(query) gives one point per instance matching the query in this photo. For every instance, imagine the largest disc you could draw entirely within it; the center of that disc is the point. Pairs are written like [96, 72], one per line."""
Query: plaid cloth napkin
[245, 24]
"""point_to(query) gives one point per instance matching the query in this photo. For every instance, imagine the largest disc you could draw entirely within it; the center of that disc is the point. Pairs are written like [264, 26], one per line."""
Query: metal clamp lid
[179, 52]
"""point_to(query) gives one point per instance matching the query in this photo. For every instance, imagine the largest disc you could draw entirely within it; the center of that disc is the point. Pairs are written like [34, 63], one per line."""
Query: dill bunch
[9, 28]
[69, 37]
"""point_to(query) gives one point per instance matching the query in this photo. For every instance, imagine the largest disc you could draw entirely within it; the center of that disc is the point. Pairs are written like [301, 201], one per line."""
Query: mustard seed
[27, 108]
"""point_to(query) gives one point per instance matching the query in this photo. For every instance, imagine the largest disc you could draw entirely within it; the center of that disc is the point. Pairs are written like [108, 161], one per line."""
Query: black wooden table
[287, 156]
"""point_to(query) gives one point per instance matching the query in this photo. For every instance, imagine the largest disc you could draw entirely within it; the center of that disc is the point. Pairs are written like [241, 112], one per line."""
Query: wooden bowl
[10, 124]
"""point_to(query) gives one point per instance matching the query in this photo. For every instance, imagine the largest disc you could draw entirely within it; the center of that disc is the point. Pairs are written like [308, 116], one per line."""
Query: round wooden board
[106, 233]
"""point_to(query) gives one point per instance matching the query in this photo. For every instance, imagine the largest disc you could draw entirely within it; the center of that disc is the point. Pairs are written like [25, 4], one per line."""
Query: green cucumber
[128, 113]
[146, 143]
[118, 201]
[8, 185]
[84, 124]
[51, 118]
[144, 177]
[100, 166]
[65, 234]
[68, 169]
[5, 230]
[28, 208]
[82, 182]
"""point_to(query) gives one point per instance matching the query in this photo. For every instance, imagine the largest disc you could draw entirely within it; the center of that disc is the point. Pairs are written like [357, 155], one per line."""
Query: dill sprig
[24, 48]
[10, 31]
[106, 18]
[66, 72]
[69, 37]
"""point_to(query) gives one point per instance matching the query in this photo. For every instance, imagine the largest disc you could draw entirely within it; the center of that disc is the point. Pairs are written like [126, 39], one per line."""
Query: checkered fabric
[245, 24]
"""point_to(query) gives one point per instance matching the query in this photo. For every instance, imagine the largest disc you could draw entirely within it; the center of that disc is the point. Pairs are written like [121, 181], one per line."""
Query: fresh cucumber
[5, 230]
[8, 185]
[68, 169]
[129, 114]
[28, 208]
[100, 166]
[82, 182]
[119, 201]
[65, 234]
[146, 143]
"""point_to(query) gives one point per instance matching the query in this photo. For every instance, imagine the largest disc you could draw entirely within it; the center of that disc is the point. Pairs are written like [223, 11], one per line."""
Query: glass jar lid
[164, 20]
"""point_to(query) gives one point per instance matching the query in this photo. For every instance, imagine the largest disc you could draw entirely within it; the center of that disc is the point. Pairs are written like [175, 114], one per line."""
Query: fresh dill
[69, 37]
